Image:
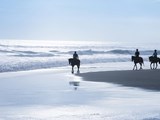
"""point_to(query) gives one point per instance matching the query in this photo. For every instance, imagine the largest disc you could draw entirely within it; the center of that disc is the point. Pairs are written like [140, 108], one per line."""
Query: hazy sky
[113, 20]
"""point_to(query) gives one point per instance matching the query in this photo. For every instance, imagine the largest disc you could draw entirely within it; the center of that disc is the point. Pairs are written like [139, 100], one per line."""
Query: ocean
[50, 92]
[22, 55]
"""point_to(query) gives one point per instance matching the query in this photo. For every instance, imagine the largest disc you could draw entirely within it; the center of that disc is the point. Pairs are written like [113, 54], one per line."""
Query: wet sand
[58, 95]
[145, 79]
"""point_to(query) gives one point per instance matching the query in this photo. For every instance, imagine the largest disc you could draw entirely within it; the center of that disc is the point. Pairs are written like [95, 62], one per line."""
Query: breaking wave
[22, 57]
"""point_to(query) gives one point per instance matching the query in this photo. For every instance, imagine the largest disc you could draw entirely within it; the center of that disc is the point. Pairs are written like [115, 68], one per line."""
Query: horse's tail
[79, 62]
[142, 61]
[159, 60]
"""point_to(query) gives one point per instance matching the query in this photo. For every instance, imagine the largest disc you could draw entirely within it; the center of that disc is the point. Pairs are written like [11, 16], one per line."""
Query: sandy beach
[58, 95]
[146, 79]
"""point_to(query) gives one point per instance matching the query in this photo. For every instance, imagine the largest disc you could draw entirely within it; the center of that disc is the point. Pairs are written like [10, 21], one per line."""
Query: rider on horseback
[74, 61]
[154, 60]
[155, 54]
[137, 53]
[137, 59]
[75, 55]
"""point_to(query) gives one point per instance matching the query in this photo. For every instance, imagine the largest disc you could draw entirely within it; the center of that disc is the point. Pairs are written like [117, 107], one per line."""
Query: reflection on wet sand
[75, 84]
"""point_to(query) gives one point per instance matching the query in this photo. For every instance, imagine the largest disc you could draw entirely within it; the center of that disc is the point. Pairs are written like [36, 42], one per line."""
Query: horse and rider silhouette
[74, 61]
[136, 59]
[153, 60]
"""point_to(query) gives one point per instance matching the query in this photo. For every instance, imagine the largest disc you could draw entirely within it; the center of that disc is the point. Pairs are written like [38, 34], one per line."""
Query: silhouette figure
[74, 61]
[154, 60]
[155, 54]
[136, 59]
[75, 55]
[137, 53]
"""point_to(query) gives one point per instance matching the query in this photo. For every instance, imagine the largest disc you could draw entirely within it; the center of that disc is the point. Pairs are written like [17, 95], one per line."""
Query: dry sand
[146, 79]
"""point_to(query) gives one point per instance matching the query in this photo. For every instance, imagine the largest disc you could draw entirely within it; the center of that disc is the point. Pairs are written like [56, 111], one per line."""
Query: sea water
[56, 94]
[20, 55]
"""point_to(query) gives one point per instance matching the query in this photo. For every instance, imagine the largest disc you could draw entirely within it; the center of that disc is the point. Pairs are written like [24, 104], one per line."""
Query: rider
[155, 54]
[137, 53]
[75, 55]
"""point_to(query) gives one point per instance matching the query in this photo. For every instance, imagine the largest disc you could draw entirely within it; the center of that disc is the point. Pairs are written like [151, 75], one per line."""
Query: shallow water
[58, 95]
[20, 55]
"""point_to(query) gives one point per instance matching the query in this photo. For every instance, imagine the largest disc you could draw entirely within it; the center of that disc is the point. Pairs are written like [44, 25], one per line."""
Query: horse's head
[69, 60]
[150, 58]
[132, 58]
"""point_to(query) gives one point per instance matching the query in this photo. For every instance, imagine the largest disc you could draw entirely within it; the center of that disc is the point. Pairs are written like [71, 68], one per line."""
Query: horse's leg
[78, 68]
[151, 65]
[140, 66]
[156, 65]
[134, 66]
[72, 69]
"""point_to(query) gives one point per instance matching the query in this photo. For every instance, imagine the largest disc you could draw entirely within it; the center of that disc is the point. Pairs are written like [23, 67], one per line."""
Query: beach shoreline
[57, 94]
[145, 79]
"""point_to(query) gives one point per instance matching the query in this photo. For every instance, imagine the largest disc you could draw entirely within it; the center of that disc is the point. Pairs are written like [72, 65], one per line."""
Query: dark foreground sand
[146, 79]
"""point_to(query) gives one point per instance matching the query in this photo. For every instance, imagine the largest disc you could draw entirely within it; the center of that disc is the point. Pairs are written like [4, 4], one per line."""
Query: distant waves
[22, 57]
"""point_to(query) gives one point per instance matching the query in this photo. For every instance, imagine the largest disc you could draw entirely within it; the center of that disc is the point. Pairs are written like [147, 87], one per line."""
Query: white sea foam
[17, 55]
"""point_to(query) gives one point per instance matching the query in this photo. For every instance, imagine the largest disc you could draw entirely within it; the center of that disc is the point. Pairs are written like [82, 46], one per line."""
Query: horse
[74, 62]
[137, 60]
[154, 60]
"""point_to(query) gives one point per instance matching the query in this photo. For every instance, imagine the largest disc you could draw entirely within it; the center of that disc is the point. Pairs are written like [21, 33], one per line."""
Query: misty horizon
[134, 20]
